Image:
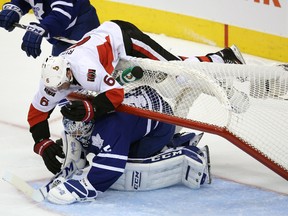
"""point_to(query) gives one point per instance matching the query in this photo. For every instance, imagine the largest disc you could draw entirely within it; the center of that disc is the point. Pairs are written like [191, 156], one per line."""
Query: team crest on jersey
[91, 75]
[97, 141]
[38, 10]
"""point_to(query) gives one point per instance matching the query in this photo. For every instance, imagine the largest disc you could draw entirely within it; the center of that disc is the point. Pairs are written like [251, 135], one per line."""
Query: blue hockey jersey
[119, 135]
[66, 18]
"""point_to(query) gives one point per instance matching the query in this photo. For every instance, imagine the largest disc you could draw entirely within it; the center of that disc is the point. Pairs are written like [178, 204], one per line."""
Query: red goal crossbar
[188, 123]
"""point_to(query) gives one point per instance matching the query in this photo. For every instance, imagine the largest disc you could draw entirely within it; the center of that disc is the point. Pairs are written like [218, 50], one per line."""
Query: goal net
[245, 104]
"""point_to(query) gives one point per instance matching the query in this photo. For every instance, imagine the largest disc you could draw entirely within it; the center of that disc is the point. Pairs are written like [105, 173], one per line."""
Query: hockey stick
[23, 186]
[63, 39]
[41, 193]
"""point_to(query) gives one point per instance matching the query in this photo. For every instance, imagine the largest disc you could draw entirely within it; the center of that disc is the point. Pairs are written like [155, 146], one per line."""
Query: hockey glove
[79, 111]
[49, 150]
[32, 39]
[10, 15]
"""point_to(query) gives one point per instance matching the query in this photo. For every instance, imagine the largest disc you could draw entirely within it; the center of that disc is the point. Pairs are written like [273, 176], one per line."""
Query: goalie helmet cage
[245, 104]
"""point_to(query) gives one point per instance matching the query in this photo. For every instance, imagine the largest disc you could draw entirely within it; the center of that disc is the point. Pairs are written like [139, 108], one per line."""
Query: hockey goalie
[130, 153]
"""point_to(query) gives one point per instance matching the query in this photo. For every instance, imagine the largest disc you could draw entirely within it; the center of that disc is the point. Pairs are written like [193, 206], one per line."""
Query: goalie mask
[79, 130]
[54, 70]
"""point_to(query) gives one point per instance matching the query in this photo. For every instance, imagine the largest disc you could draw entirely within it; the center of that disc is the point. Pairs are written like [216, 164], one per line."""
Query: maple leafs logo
[97, 141]
[38, 10]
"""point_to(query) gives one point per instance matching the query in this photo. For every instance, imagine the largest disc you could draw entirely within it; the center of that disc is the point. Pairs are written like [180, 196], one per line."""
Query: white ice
[241, 185]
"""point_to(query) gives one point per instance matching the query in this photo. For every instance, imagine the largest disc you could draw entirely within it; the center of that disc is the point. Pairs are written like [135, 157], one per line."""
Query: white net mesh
[246, 102]
[250, 101]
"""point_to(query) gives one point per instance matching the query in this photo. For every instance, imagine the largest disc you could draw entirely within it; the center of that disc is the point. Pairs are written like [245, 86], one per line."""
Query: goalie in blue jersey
[130, 153]
[65, 18]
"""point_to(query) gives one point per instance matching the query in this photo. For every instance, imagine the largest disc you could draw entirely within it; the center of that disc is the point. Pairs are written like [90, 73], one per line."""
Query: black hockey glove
[10, 15]
[49, 150]
[31, 41]
[79, 111]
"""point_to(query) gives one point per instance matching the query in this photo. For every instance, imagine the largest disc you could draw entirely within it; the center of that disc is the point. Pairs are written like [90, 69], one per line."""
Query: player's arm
[59, 18]
[39, 112]
[23, 5]
[53, 24]
[87, 110]
[111, 95]
[12, 12]
[44, 146]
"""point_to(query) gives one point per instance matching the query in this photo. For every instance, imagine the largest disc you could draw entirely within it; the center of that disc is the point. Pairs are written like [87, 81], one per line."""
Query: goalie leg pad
[175, 165]
[143, 177]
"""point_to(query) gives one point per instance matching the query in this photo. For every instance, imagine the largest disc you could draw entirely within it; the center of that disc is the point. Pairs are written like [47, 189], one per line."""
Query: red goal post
[245, 104]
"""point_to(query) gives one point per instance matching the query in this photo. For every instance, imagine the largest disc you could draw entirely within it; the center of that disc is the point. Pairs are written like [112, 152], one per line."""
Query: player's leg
[229, 55]
[188, 165]
[154, 142]
[139, 44]
[185, 139]
[85, 23]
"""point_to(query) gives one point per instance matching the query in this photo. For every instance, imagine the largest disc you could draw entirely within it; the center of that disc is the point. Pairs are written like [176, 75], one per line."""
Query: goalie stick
[39, 194]
[23, 186]
[57, 38]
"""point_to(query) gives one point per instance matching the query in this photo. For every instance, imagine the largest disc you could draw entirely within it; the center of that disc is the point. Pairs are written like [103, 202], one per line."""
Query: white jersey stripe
[148, 128]
[115, 156]
[101, 166]
[62, 3]
[72, 23]
[62, 12]
[148, 49]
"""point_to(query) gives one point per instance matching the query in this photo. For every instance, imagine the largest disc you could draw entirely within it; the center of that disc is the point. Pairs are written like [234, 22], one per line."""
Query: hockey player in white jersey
[131, 153]
[88, 65]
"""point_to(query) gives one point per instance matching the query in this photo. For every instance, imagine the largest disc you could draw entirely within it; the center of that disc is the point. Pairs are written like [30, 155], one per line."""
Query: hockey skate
[185, 139]
[284, 66]
[207, 178]
[239, 100]
[196, 139]
[196, 167]
[231, 55]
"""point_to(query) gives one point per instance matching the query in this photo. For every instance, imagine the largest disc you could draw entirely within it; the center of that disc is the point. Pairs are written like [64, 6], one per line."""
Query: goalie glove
[49, 150]
[79, 111]
[10, 15]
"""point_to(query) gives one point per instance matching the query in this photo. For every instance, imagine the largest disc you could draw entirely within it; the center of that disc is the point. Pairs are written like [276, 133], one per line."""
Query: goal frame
[192, 124]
